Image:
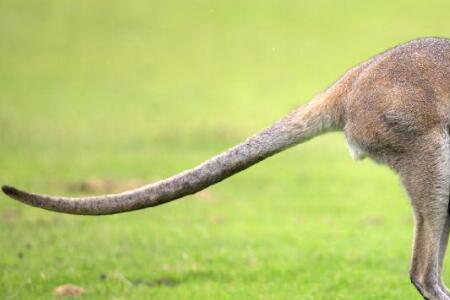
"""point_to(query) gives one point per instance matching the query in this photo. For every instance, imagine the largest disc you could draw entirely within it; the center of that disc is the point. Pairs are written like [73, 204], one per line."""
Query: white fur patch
[355, 151]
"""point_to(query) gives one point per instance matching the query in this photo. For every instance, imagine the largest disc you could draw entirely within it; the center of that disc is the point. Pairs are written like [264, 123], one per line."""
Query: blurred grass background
[131, 91]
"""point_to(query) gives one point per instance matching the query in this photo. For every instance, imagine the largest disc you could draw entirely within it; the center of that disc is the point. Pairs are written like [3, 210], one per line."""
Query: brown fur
[394, 108]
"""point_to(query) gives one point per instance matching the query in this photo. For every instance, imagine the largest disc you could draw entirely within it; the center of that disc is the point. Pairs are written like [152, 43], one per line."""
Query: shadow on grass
[173, 281]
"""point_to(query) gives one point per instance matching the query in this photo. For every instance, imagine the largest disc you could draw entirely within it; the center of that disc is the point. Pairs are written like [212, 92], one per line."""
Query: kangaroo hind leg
[426, 177]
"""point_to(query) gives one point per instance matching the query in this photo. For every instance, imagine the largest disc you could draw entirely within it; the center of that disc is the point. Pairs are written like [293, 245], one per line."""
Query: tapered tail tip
[9, 190]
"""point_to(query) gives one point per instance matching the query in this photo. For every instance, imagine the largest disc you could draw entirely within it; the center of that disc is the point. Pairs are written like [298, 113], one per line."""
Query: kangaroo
[393, 108]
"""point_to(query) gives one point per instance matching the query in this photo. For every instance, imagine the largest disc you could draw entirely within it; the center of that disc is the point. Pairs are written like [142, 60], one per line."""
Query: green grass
[143, 89]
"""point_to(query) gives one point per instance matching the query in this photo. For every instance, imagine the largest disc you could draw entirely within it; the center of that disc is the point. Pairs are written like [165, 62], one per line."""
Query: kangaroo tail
[322, 114]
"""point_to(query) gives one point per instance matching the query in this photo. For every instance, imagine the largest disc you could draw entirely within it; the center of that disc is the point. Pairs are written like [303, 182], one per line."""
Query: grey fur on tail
[323, 113]
[298, 126]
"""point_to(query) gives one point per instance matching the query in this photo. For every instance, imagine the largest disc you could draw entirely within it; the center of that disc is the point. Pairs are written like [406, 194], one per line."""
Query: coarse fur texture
[393, 108]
